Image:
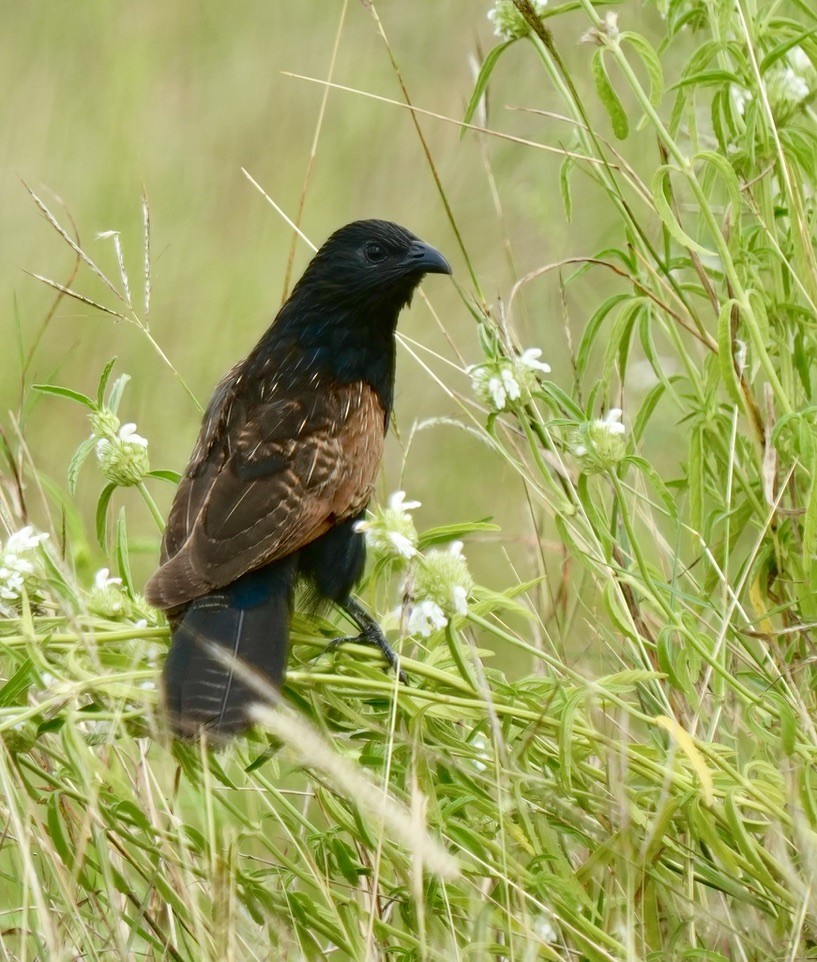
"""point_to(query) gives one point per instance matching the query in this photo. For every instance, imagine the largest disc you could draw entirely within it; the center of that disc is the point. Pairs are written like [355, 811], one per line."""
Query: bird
[282, 472]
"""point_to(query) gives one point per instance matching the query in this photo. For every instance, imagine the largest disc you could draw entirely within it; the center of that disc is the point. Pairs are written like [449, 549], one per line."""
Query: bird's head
[371, 262]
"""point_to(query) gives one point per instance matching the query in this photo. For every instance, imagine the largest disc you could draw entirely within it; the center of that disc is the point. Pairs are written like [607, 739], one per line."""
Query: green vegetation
[608, 749]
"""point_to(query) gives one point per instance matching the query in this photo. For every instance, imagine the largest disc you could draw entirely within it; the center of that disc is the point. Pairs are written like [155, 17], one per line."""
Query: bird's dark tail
[249, 619]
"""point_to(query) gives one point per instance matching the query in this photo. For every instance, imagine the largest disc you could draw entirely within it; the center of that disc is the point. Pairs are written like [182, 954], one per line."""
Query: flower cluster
[600, 444]
[121, 452]
[437, 582]
[789, 83]
[18, 567]
[390, 531]
[509, 24]
[107, 598]
[503, 382]
[438, 589]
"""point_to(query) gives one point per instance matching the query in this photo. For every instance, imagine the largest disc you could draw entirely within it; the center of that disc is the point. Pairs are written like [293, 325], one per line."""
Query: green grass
[611, 755]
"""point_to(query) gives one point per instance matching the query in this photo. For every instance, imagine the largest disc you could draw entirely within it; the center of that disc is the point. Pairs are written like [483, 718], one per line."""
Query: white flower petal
[529, 360]
[459, 598]
[127, 433]
[397, 502]
[402, 545]
[102, 579]
[497, 392]
[511, 385]
[425, 617]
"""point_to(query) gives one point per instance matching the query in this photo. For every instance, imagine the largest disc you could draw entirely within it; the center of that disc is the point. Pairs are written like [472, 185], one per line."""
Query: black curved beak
[425, 259]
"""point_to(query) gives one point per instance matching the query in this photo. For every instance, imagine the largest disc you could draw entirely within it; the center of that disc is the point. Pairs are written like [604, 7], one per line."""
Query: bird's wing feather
[278, 475]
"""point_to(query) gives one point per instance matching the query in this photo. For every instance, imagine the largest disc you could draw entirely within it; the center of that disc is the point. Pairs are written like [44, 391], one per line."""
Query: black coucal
[283, 468]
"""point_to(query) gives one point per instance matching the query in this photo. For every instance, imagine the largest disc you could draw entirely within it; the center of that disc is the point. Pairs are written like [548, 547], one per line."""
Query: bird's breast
[360, 432]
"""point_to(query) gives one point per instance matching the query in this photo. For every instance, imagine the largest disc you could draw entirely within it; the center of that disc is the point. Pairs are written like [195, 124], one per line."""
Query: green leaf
[57, 835]
[726, 361]
[809, 536]
[782, 49]
[652, 64]
[77, 461]
[567, 738]
[102, 514]
[666, 214]
[484, 75]
[730, 179]
[65, 392]
[123, 554]
[103, 381]
[609, 98]
[116, 392]
[564, 186]
[591, 332]
[645, 412]
[453, 532]
[172, 477]
[16, 685]
[697, 483]
[649, 472]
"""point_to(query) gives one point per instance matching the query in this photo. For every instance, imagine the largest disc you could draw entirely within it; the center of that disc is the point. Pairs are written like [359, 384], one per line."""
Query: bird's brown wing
[205, 463]
[271, 480]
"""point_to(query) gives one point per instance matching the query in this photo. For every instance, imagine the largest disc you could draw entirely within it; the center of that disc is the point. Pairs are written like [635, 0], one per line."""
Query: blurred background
[103, 99]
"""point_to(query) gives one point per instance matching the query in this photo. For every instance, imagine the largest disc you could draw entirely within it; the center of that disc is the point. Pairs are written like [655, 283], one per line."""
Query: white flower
[800, 60]
[499, 382]
[739, 97]
[530, 359]
[425, 617]
[123, 457]
[600, 444]
[611, 422]
[397, 502]
[483, 748]
[441, 577]
[793, 85]
[24, 540]
[509, 24]
[510, 385]
[495, 389]
[459, 599]
[127, 433]
[107, 598]
[544, 929]
[787, 89]
[102, 579]
[17, 571]
[390, 531]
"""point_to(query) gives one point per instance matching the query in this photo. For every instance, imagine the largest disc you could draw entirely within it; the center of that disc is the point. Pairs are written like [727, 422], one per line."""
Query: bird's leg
[370, 634]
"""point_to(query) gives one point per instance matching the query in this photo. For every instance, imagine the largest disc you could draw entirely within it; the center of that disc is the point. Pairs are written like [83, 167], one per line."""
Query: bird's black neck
[346, 350]
[350, 355]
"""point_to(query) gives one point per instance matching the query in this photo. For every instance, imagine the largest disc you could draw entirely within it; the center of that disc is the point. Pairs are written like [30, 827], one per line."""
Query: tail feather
[249, 620]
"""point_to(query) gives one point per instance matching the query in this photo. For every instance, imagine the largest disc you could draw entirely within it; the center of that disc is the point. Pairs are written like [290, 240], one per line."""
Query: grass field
[607, 749]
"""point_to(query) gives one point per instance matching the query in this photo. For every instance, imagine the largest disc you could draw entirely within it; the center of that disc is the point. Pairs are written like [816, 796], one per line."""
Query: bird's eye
[375, 253]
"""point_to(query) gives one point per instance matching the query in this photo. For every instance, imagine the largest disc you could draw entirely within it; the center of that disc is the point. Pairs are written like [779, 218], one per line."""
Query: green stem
[152, 507]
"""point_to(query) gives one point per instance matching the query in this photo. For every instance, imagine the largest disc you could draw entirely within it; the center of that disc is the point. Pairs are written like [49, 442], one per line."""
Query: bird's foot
[370, 634]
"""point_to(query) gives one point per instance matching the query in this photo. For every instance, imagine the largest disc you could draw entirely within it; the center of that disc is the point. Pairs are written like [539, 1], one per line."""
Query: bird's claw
[371, 634]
